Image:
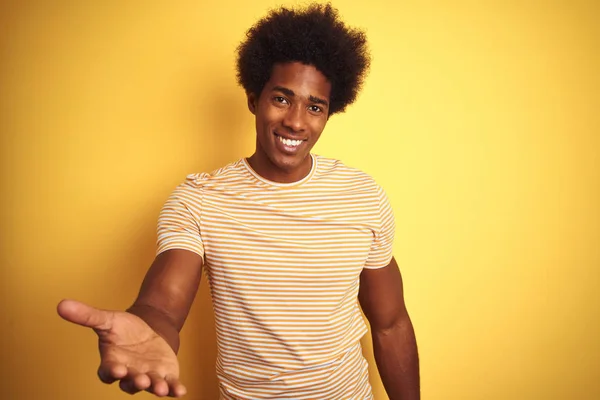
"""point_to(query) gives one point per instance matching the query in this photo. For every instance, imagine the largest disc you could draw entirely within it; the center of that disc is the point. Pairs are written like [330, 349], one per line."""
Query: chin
[287, 164]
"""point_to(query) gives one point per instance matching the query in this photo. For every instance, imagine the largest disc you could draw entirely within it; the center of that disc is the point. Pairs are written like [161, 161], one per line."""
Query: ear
[252, 102]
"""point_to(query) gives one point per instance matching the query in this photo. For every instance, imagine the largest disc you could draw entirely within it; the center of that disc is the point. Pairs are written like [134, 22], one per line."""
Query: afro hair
[314, 36]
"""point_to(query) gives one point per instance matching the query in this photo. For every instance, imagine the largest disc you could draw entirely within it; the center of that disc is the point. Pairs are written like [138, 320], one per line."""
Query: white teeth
[290, 142]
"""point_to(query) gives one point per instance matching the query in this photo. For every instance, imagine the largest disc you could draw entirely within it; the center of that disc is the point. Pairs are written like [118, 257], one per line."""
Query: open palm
[130, 351]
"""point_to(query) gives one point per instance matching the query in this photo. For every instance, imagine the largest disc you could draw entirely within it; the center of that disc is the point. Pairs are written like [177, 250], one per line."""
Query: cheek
[317, 128]
[269, 114]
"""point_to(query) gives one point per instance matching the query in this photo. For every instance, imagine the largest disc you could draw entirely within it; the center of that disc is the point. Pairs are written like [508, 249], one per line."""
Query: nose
[295, 118]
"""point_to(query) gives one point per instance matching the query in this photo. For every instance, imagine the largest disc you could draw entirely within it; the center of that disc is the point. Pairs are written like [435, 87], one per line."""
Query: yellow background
[480, 119]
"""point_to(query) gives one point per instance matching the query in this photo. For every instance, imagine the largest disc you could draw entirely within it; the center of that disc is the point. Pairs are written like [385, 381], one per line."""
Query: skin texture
[138, 346]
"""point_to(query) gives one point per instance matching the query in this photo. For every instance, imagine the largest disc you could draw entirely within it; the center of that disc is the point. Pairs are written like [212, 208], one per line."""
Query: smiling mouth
[289, 142]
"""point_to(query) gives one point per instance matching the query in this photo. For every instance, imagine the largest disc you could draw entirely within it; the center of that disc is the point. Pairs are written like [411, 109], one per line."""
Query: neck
[262, 165]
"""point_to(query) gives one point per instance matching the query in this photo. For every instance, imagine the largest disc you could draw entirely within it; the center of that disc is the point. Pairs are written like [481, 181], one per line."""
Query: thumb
[84, 315]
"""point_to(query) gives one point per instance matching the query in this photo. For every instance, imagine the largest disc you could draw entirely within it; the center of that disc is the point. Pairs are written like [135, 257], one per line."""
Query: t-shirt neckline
[308, 176]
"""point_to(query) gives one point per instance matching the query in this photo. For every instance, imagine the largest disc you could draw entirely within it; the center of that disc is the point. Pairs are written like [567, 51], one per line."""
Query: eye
[315, 109]
[279, 99]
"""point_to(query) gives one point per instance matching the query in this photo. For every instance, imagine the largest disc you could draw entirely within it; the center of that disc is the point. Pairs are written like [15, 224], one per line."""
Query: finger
[159, 385]
[176, 388]
[127, 386]
[134, 382]
[110, 372]
[84, 315]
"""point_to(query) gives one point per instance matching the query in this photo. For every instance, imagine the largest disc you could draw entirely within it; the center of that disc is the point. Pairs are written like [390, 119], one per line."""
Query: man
[291, 243]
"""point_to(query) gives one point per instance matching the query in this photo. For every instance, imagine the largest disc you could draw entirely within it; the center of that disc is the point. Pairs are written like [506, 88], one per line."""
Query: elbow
[400, 324]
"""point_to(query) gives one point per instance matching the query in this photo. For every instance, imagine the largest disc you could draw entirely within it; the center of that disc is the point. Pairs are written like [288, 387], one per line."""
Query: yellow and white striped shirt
[283, 262]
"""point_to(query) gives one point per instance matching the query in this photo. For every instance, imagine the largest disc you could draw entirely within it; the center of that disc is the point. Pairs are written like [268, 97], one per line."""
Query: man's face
[291, 113]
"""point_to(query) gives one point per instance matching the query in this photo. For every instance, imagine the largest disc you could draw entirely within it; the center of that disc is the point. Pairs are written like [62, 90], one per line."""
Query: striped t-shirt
[283, 262]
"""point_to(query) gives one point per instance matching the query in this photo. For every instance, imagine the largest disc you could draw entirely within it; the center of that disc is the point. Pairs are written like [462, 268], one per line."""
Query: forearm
[167, 293]
[397, 360]
[159, 322]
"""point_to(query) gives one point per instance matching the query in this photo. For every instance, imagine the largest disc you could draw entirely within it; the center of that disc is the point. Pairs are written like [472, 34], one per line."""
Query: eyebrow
[291, 93]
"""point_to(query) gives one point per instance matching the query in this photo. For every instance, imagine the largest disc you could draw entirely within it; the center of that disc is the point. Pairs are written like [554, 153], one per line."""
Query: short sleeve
[179, 221]
[380, 253]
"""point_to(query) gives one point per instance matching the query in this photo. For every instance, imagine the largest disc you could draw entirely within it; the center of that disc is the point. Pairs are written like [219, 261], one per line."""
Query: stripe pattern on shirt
[283, 263]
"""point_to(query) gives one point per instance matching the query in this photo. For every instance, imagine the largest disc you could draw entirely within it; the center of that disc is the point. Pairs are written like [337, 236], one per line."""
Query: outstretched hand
[130, 351]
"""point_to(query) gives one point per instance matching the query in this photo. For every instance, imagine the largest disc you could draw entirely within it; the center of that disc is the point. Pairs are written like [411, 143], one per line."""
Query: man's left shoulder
[336, 170]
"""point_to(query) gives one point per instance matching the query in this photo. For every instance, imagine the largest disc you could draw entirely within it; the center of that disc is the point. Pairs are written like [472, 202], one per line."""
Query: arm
[170, 285]
[382, 300]
[167, 293]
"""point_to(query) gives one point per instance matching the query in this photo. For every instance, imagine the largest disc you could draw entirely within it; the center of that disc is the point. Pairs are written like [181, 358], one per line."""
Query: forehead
[304, 80]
